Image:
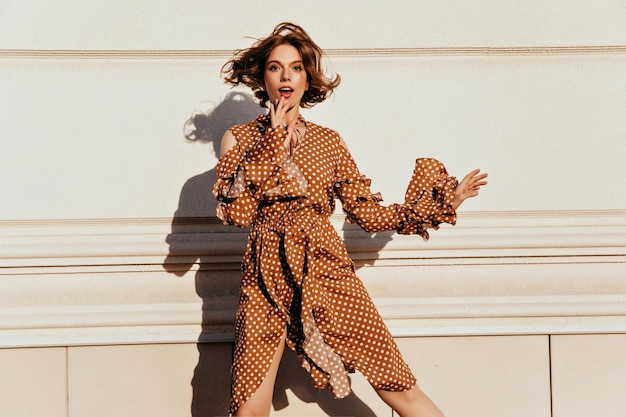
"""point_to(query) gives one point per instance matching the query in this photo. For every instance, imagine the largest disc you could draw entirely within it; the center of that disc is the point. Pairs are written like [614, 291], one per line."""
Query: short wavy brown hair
[248, 65]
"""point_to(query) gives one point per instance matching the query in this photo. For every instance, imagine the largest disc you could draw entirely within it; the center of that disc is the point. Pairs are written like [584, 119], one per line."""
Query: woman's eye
[273, 68]
[297, 68]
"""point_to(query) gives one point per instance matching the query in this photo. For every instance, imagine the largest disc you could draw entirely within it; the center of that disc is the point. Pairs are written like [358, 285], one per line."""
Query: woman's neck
[292, 115]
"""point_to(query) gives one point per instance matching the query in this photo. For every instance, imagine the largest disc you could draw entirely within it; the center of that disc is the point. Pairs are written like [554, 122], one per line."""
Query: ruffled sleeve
[250, 174]
[428, 200]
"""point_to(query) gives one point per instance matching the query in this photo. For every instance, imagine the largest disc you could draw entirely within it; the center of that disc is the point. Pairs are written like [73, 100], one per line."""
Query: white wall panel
[546, 128]
[589, 375]
[197, 24]
[103, 138]
[33, 382]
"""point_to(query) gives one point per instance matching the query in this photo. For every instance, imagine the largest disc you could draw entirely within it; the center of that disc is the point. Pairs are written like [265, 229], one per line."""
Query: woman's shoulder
[249, 127]
[249, 132]
[242, 135]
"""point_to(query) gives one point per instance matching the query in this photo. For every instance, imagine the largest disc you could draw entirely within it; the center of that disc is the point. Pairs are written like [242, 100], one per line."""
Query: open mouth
[285, 91]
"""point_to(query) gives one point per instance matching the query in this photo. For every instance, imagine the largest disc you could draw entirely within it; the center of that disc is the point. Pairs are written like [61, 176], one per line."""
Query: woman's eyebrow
[274, 61]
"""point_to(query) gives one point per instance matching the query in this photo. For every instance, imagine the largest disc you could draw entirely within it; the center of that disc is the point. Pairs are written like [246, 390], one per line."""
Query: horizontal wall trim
[406, 317]
[357, 52]
[161, 280]
[485, 237]
[525, 214]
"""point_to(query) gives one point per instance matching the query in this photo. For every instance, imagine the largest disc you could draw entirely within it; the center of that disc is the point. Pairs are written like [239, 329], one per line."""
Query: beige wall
[112, 265]
[572, 375]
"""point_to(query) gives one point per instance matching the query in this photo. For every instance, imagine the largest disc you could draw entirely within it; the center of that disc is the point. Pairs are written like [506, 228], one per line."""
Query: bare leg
[412, 403]
[259, 404]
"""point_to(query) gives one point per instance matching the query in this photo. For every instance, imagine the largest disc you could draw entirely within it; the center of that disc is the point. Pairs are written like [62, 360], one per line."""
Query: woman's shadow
[196, 207]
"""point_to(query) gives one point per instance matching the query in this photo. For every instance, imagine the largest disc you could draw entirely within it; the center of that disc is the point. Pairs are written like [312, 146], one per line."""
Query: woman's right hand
[278, 115]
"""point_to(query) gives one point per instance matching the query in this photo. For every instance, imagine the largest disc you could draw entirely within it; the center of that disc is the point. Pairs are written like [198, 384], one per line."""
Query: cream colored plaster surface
[128, 381]
[114, 140]
[483, 376]
[114, 145]
[589, 375]
[534, 123]
[33, 382]
[197, 24]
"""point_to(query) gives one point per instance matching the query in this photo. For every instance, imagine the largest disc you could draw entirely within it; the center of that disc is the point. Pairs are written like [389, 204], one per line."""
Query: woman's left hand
[468, 187]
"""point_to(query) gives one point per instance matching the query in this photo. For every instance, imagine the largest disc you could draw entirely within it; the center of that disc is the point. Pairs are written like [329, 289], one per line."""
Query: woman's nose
[285, 76]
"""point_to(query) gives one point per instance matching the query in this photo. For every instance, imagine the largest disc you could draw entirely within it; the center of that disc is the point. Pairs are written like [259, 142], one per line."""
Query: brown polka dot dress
[298, 279]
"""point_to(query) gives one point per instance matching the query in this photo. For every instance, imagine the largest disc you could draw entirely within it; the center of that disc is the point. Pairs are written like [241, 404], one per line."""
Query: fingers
[280, 108]
[469, 187]
[468, 178]
[479, 181]
[471, 184]
[474, 175]
[278, 111]
[474, 180]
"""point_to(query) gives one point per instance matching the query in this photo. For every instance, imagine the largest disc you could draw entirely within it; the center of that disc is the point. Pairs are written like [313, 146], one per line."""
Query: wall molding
[336, 52]
[538, 235]
[114, 281]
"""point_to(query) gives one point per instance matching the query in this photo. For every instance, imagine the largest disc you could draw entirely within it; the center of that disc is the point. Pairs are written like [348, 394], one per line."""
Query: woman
[281, 174]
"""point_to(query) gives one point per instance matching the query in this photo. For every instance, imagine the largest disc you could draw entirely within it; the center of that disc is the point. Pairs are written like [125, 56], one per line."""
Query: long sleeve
[253, 172]
[428, 199]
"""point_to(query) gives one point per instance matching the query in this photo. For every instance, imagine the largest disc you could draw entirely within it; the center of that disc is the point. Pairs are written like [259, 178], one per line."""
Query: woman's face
[285, 76]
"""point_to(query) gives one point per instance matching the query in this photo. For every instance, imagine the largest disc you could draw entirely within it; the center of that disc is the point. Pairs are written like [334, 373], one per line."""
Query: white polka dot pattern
[297, 274]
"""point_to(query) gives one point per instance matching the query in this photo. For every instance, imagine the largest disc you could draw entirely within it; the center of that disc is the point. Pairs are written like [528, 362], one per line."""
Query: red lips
[285, 91]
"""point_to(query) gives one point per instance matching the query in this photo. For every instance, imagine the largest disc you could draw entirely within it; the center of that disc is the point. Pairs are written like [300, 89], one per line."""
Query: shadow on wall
[209, 127]
[211, 380]
[196, 205]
